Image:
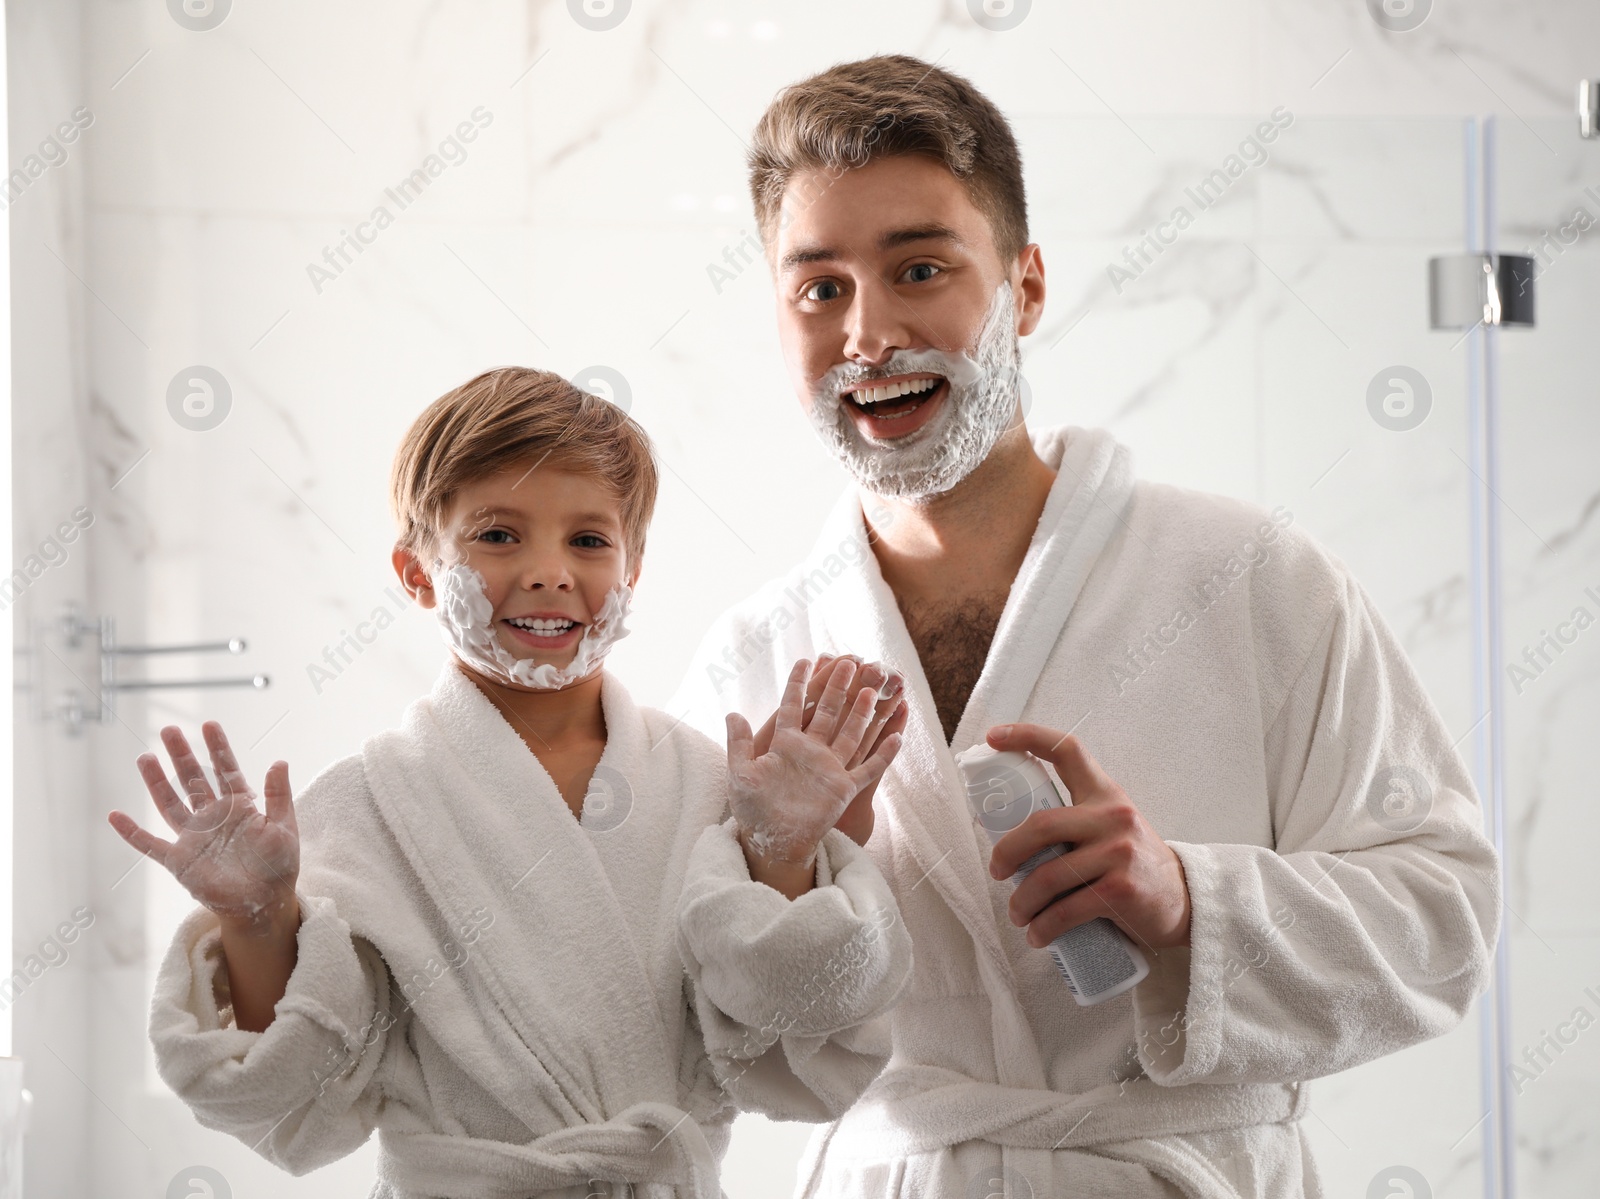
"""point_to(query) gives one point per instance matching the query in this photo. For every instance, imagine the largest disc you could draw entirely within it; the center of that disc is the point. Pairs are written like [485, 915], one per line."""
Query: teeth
[892, 391]
[547, 628]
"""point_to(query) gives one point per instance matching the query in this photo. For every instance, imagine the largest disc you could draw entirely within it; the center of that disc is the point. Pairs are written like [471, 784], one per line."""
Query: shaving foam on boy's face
[978, 408]
[530, 585]
[466, 618]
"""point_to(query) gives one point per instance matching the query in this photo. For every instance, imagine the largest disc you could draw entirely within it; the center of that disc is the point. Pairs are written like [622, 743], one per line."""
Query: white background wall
[578, 231]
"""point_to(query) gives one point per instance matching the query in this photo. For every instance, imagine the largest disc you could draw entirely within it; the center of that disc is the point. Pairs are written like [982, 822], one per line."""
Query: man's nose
[879, 323]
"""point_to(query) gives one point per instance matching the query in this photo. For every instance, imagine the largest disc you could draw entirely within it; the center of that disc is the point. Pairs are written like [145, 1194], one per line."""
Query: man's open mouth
[894, 398]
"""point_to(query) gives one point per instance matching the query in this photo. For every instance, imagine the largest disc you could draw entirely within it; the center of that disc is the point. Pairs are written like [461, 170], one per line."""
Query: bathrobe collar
[1094, 480]
[486, 831]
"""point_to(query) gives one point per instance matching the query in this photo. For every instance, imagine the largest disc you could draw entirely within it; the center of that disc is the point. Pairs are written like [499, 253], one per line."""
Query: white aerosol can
[1004, 788]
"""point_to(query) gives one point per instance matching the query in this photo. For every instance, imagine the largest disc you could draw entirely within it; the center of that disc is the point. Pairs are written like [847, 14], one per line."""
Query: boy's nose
[547, 575]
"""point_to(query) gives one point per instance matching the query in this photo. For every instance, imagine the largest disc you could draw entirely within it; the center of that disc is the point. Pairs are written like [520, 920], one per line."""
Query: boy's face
[890, 256]
[549, 544]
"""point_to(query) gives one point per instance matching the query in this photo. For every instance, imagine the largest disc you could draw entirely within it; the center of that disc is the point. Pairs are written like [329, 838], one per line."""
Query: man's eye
[827, 286]
[911, 272]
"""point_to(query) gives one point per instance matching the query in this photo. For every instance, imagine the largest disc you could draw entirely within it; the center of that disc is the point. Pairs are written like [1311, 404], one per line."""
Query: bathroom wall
[599, 218]
[53, 868]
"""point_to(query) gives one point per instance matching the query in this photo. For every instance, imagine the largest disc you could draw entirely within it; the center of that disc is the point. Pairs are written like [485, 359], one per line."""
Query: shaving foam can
[1004, 788]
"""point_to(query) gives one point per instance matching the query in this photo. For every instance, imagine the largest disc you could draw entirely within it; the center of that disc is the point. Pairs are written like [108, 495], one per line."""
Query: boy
[527, 942]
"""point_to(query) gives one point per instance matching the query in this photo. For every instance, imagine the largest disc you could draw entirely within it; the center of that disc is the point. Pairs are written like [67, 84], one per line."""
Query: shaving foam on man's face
[899, 317]
[976, 391]
[530, 583]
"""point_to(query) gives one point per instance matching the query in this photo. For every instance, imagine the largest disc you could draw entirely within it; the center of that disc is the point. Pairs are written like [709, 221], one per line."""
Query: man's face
[899, 321]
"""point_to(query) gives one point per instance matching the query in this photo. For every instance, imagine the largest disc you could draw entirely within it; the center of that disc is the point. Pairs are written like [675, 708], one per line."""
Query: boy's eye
[491, 535]
[921, 266]
[591, 541]
[822, 286]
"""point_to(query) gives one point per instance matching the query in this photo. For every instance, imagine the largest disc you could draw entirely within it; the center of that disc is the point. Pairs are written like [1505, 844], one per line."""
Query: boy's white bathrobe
[1250, 722]
[502, 991]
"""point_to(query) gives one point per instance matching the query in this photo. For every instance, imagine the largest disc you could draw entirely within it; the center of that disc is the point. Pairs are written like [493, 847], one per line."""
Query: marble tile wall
[195, 220]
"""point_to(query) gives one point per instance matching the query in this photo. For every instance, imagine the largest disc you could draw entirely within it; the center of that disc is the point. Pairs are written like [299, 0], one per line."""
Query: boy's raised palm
[231, 856]
[790, 795]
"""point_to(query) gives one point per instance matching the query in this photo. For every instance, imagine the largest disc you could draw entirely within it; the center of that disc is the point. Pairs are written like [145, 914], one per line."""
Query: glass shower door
[1546, 182]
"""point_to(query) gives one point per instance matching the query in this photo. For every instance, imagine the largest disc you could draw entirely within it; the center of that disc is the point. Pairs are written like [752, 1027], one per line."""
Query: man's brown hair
[518, 416]
[876, 107]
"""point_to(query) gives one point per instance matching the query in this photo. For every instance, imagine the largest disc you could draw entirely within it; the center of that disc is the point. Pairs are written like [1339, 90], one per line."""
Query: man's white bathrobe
[1238, 683]
[519, 1002]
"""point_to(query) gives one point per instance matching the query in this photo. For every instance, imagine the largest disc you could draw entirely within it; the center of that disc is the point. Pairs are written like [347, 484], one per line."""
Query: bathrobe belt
[920, 1109]
[648, 1142]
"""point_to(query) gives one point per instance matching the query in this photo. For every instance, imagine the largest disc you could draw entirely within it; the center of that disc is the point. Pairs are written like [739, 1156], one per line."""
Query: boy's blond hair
[890, 104]
[518, 416]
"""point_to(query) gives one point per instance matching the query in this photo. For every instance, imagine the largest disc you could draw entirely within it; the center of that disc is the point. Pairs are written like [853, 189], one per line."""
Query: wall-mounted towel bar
[76, 629]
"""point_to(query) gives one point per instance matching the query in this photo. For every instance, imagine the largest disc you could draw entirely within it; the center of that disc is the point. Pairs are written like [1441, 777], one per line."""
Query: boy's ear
[413, 576]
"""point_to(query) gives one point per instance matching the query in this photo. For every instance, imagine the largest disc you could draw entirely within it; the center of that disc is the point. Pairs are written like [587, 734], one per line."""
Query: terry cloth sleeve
[1371, 925]
[305, 1091]
[791, 996]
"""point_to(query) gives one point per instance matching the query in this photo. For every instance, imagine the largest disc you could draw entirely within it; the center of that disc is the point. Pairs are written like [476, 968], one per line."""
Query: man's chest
[952, 639]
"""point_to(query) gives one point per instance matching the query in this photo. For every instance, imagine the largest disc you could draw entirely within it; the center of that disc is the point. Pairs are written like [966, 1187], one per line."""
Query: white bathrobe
[1250, 721]
[501, 990]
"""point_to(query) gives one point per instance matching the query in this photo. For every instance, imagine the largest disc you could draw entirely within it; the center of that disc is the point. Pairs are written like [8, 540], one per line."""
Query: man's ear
[1027, 281]
[413, 576]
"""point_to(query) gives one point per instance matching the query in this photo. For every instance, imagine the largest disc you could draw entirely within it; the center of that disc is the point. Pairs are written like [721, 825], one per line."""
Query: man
[1263, 798]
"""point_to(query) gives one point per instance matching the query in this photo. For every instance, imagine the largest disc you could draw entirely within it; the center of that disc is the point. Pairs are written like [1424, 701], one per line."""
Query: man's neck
[971, 539]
